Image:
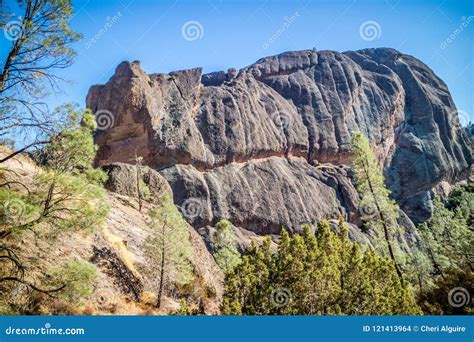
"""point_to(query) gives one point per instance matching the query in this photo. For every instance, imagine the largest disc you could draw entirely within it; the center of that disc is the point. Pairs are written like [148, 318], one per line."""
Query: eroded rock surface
[269, 145]
[254, 193]
[122, 179]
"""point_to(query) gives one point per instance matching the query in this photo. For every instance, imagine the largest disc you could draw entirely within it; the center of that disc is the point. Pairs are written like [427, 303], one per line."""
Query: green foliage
[455, 288]
[67, 193]
[248, 286]
[447, 239]
[59, 203]
[444, 261]
[75, 203]
[462, 198]
[378, 211]
[168, 248]
[227, 256]
[418, 268]
[7, 310]
[145, 192]
[33, 54]
[324, 274]
[78, 278]
[73, 150]
[185, 310]
[16, 208]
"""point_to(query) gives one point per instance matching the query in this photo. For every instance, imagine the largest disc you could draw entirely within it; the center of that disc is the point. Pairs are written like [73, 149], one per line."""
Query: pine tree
[288, 271]
[79, 278]
[328, 265]
[309, 303]
[31, 56]
[248, 287]
[323, 274]
[168, 248]
[454, 287]
[447, 239]
[462, 199]
[138, 164]
[227, 256]
[380, 213]
[66, 195]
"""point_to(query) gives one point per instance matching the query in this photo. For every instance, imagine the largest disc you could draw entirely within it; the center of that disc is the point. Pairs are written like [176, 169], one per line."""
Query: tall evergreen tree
[168, 248]
[447, 239]
[66, 195]
[36, 47]
[379, 212]
[143, 191]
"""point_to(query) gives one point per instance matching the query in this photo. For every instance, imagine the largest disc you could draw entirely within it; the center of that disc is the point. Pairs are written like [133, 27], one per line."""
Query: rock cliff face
[269, 145]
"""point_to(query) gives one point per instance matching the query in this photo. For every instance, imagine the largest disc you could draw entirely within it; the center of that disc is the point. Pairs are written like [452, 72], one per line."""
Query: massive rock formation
[269, 145]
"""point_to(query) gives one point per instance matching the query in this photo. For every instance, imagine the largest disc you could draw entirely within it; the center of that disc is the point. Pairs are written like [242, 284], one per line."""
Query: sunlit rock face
[269, 145]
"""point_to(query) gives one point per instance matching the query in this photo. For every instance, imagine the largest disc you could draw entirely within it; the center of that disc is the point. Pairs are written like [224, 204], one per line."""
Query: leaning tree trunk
[384, 224]
[162, 276]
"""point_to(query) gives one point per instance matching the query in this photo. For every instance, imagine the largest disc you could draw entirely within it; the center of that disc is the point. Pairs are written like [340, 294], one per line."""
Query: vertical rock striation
[269, 145]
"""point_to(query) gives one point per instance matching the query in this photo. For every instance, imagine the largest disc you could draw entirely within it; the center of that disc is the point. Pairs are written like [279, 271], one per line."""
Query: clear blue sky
[237, 33]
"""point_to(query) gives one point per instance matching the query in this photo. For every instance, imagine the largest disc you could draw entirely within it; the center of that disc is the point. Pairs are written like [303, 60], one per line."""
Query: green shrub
[78, 278]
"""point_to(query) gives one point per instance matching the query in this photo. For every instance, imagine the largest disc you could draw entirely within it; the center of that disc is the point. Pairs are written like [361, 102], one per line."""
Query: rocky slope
[268, 145]
[123, 285]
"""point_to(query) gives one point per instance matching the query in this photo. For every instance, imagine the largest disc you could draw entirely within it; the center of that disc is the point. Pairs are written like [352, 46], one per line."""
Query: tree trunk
[436, 266]
[387, 238]
[162, 275]
[23, 150]
[16, 48]
[384, 224]
[138, 189]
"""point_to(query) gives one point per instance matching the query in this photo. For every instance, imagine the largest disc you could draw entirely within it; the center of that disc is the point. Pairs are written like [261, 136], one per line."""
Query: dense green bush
[322, 274]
